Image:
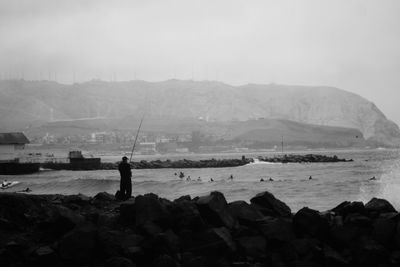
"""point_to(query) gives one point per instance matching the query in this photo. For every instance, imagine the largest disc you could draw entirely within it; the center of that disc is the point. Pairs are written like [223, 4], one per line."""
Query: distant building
[147, 147]
[11, 144]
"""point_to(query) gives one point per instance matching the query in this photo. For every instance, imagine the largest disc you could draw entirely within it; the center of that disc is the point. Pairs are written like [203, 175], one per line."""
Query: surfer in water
[126, 183]
[5, 183]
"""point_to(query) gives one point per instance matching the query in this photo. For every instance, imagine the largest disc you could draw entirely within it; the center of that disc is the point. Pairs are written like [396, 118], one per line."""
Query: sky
[350, 44]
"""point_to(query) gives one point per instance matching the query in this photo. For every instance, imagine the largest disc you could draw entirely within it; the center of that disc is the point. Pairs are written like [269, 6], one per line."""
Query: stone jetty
[76, 230]
[183, 164]
[309, 158]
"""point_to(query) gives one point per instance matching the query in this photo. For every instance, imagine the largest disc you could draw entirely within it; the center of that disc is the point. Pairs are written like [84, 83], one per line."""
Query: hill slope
[23, 103]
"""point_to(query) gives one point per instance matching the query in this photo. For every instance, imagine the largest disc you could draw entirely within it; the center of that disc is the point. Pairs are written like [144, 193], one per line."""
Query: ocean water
[331, 183]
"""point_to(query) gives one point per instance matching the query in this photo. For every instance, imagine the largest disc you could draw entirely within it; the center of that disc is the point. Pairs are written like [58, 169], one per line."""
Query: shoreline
[64, 230]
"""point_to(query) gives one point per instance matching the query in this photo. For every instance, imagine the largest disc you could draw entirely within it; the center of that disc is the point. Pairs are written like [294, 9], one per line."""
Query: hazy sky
[353, 45]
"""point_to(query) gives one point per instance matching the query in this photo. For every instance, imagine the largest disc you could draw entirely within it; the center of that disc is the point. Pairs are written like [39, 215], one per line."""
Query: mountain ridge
[44, 101]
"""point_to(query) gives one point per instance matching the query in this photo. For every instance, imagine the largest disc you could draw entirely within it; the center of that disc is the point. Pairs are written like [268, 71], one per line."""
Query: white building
[11, 144]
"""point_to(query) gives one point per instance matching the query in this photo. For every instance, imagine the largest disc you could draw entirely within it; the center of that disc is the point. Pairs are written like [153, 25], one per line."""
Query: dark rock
[127, 210]
[309, 222]
[45, 256]
[119, 262]
[133, 252]
[185, 215]
[347, 207]
[397, 235]
[210, 244]
[358, 220]
[343, 236]
[79, 244]
[59, 220]
[379, 205]
[149, 208]
[170, 240]
[102, 199]
[214, 210]
[106, 219]
[76, 199]
[277, 229]
[384, 230]
[165, 261]
[183, 198]
[269, 205]
[253, 246]
[306, 247]
[113, 242]
[370, 253]
[244, 213]
[150, 229]
[332, 257]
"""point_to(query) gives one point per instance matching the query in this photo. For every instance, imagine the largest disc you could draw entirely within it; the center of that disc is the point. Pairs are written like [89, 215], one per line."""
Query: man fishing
[126, 183]
[125, 172]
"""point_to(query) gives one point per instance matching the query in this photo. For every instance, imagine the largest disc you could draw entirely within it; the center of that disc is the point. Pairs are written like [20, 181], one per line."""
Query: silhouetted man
[126, 183]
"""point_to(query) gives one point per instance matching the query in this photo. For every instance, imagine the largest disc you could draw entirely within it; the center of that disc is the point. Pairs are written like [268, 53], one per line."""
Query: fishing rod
[137, 134]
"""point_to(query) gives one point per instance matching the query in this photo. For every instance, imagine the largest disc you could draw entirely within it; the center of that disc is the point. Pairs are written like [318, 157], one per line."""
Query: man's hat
[124, 158]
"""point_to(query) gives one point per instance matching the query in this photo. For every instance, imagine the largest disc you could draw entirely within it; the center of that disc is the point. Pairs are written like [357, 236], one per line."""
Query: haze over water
[331, 183]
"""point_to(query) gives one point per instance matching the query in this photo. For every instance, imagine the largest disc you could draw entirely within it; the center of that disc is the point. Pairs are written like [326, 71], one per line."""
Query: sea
[331, 183]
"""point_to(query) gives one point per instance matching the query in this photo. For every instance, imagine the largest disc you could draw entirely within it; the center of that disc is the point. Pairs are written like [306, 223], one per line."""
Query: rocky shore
[223, 163]
[183, 164]
[75, 230]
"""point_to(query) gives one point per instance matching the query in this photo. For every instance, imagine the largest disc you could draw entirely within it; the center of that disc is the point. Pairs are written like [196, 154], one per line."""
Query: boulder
[384, 230]
[165, 261]
[127, 211]
[79, 244]
[269, 205]
[346, 207]
[253, 246]
[368, 252]
[76, 199]
[358, 220]
[58, 221]
[332, 257]
[309, 222]
[45, 256]
[378, 205]
[244, 213]
[149, 208]
[210, 244]
[104, 196]
[114, 242]
[185, 215]
[214, 210]
[277, 229]
[119, 262]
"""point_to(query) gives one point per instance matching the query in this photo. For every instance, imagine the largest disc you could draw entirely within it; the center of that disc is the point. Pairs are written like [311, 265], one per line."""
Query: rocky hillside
[26, 103]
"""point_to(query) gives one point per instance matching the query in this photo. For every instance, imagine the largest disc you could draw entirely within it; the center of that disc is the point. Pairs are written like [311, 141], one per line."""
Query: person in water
[231, 177]
[188, 178]
[181, 175]
[125, 183]
[310, 178]
[5, 183]
[211, 180]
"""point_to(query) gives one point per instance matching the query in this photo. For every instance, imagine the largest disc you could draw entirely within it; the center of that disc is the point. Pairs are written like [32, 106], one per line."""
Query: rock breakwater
[309, 158]
[75, 230]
